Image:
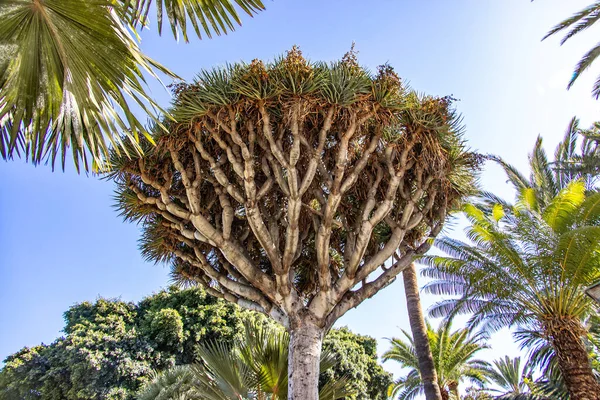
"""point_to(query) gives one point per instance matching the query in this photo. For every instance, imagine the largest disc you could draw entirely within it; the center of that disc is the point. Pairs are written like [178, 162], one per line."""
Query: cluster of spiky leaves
[254, 368]
[305, 175]
[453, 356]
[71, 72]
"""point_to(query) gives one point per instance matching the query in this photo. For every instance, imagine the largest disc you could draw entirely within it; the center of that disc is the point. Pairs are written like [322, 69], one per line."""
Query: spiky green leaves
[343, 84]
[511, 375]
[387, 87]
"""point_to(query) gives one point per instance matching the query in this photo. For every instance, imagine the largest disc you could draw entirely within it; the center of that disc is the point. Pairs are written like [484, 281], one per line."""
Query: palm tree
[550, 385]
[511, 376]
[585, 163]
[255, 368]
[71, 71]
[542, 356]
[578, 22]
[528, 267]
[453, 353]
[418, 328]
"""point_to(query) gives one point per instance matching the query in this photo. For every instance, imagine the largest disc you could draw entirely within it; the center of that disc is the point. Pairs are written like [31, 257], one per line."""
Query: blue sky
[62, 242]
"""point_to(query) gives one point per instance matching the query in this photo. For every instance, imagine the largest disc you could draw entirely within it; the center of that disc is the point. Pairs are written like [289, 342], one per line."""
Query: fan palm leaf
[176, 383]
[72, 73]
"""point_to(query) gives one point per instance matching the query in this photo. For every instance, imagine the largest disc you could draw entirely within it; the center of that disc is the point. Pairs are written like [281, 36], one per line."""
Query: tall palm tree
[418, 328]
[453, 356]
[528, 267]
[575, 24]
[255, 368]
[71, 71]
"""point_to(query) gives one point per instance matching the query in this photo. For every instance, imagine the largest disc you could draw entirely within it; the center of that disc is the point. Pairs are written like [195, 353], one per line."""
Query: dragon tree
[296, 189]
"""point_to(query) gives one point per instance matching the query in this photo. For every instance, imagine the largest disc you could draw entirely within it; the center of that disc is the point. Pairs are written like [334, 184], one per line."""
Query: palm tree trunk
[419, 333]
[306, 340]
[445, 395]
[573, 359]
[453, 387]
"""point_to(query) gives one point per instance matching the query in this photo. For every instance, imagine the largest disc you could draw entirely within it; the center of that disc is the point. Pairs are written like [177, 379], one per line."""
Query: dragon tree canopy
[287, 187]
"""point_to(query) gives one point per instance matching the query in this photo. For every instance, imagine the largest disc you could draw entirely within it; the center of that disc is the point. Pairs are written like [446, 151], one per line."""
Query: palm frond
[583, 64]
[518, 180]
[207, 17]
[453, 355]
[582, 20]
[509, 374]
[175, 383]
[74, 76]
[559, 212]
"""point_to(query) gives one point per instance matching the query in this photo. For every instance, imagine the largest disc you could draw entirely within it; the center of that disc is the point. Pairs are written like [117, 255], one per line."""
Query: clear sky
[61, 242]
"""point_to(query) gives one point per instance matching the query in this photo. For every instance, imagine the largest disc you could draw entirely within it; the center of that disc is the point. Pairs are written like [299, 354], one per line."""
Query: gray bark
[304, 356]
[419, 333]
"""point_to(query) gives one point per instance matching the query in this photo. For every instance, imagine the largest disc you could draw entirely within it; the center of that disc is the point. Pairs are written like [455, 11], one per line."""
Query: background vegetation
[111, 348]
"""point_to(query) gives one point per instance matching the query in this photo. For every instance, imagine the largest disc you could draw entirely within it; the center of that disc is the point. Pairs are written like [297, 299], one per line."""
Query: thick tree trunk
[304, 356]
[573, 360]
[419, 333]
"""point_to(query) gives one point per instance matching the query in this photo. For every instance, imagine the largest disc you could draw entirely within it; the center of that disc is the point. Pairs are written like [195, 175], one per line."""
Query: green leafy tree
[528, 265]
[71, 71]
[111, 348]
[283, 187]
[356, 359]
[204, 319]
[23, 374]
[255, 367]
[453, 353]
